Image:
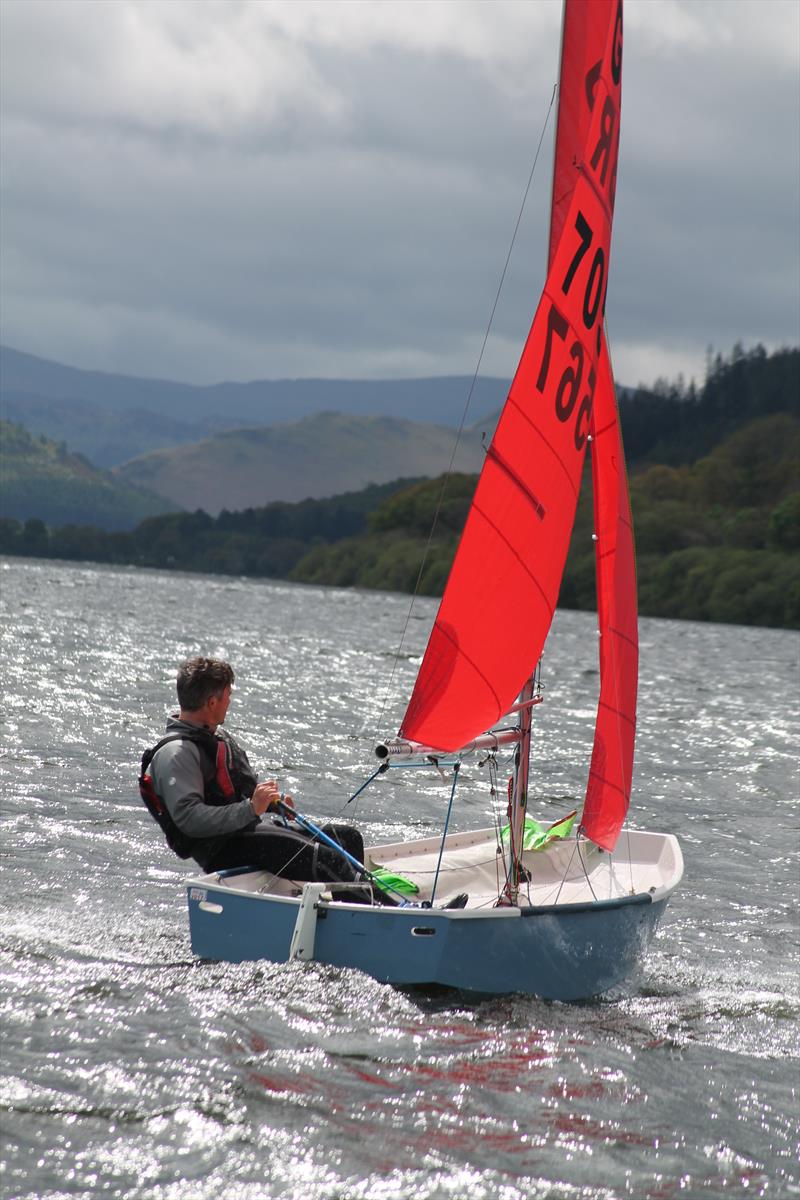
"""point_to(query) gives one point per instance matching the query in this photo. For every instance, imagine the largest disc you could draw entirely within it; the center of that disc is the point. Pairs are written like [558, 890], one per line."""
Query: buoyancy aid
[227, 776]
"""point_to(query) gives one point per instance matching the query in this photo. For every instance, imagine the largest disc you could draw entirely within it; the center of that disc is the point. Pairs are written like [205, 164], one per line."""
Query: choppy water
[130, 1070]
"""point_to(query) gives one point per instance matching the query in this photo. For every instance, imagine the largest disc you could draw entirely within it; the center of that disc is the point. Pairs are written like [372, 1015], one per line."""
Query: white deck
[566, 872]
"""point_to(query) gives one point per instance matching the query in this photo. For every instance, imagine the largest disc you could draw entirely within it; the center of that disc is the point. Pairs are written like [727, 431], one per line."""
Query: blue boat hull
[565, 952]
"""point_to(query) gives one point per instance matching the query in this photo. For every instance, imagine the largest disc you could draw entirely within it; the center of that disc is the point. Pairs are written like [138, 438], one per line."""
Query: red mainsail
[501, 595]
[584, 34]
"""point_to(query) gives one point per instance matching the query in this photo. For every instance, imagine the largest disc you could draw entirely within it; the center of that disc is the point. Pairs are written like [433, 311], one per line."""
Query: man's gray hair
[201, 678]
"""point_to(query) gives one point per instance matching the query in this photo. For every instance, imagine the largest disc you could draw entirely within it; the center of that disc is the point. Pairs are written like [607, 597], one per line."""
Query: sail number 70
[593, 292]
[569, 385]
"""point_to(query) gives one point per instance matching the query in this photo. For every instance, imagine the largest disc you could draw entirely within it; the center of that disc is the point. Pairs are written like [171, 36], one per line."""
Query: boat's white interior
[566, 872]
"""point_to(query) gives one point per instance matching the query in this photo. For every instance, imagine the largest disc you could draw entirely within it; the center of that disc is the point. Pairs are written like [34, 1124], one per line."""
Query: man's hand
[267, 797]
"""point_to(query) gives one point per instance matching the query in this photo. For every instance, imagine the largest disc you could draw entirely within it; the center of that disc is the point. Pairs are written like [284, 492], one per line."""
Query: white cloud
[223, 65]
[644, 362]
[158, 65]
[237, 188]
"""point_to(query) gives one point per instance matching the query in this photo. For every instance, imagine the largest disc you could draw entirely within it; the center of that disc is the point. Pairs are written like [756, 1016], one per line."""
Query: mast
[522, 758]
[519, 794]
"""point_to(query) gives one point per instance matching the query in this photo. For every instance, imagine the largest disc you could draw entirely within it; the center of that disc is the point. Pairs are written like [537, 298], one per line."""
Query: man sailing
[199, 785]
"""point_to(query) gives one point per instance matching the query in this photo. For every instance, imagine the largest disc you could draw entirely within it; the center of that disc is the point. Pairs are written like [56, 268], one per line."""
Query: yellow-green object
[536, 836]
[387, 881]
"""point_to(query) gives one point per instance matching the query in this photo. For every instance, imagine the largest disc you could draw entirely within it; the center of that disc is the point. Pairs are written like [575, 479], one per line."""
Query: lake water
[131, 1070]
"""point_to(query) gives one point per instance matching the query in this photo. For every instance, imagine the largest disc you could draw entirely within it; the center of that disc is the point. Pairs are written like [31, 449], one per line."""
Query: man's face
[218, 706]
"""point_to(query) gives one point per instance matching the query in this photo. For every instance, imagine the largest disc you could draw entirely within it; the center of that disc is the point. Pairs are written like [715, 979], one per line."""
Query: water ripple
[132, 1070]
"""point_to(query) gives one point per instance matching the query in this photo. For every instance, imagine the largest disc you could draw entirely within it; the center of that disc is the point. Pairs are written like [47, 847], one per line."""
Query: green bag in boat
[387, 881]
[536, 836]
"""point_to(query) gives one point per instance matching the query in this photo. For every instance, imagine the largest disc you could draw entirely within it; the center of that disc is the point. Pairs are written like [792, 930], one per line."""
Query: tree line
[717, 521]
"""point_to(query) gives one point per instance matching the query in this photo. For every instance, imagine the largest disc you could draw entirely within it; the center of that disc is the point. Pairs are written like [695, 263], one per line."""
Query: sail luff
[610, 774]
[507, 570]
[555, 223]
[584, 32]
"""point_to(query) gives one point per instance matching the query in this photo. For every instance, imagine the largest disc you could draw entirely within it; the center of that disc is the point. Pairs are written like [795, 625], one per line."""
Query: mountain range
[320, 455]
[167, 445]
[236, 446]
[112, 418]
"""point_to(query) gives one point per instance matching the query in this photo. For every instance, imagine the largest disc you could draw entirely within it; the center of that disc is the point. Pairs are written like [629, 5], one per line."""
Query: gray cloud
[239, 189]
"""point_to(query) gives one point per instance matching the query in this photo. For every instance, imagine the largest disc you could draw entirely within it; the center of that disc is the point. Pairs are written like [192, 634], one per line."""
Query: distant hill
[105, 438]
[41, 479]
[320, 455]
[717, 534]
[27, 382]
[716, 541]
[195, 451]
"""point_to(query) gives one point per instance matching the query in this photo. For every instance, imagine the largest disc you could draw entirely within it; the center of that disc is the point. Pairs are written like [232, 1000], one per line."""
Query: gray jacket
[179, 779]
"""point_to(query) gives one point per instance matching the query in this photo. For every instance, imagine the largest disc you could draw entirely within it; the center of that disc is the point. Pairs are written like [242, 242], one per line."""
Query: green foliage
[399, 553]
[266, 541]
[783, 532]
[739, 586]
[673, 424]
[715, 538]
[717, 533]
[416, 508]
[41, 479]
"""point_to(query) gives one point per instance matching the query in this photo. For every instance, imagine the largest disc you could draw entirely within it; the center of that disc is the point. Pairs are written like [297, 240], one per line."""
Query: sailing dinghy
[560, 912]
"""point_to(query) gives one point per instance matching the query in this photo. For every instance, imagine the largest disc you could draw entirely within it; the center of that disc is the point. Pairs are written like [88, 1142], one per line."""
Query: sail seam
[623, 716]
[515, 404]
[624, 636]
[609, 427]
[460, 653]
[607, 783]
[522, 563]
[504, 466]
[601, 200]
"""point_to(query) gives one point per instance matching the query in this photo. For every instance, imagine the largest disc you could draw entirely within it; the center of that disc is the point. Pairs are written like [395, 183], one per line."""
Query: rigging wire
[456, 767]
[462, 423]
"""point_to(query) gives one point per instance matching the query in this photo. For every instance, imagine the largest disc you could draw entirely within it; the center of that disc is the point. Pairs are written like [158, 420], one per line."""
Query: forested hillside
[672, 423]
[266, 541]
[718, 533]
[41, 479]
[717, 540]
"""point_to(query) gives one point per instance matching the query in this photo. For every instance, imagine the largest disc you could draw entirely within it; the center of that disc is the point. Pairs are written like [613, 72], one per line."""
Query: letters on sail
[502, 591]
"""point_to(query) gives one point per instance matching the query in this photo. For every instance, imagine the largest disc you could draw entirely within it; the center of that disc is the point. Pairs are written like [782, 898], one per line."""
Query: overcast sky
[236, 189]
